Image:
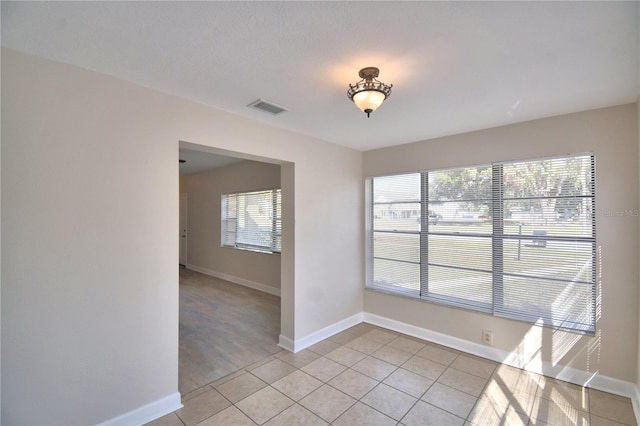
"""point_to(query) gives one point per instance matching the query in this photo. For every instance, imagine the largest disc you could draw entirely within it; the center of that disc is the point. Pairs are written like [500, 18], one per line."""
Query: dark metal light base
[369, 72]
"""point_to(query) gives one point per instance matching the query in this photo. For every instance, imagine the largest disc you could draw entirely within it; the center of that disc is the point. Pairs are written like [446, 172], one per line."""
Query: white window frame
[496, 306]
[265, 240]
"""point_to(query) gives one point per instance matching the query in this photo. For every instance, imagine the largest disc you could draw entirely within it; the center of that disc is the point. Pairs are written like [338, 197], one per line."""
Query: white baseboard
[564, 373]
[149, 412]
[318, 336]
[285, 343]
[236, 280]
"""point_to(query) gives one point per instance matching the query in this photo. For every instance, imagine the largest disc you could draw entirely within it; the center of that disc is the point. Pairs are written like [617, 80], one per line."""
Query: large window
[252, 221]
[515, 239]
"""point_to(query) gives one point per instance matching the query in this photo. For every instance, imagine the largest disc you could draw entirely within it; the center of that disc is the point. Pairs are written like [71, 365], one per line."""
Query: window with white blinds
[252, 221]
[515, 239]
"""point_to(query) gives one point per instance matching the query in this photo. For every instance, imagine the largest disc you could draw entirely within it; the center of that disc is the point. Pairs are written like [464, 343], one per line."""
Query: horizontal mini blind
[548, 265]
[276, 236]
[252, 220]
[459, 242]
[396, 214]
[229, 217]
[516, 239]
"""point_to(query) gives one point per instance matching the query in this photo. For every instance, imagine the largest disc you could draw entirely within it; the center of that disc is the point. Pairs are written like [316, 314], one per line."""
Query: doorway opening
[231, 301]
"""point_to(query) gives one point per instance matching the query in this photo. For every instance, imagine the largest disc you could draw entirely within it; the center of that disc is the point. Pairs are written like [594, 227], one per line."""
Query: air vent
[265, 106]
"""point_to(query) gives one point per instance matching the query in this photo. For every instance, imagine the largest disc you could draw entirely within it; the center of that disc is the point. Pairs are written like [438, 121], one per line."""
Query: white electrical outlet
[487, 337]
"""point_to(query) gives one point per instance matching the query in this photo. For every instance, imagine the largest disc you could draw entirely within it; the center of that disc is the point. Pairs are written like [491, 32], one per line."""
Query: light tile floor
[372, 376]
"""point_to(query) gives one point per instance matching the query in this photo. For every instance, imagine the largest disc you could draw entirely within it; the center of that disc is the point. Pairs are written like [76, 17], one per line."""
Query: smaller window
[252, 221]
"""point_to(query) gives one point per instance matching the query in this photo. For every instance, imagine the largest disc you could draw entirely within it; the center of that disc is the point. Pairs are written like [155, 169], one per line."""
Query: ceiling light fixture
[369, 93]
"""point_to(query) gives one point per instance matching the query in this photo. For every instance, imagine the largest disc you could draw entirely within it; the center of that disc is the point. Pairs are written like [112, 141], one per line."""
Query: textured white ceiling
[199, 161]
[455, 66]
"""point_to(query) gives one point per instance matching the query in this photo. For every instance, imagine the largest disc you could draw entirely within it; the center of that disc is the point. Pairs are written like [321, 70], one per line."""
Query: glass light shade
[369, 100]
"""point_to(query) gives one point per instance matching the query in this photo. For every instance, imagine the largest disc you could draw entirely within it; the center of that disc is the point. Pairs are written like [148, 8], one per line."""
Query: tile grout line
[397, 367]
[380, 382]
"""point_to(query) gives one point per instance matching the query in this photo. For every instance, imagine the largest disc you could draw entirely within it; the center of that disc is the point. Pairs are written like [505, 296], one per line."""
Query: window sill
[252, 250]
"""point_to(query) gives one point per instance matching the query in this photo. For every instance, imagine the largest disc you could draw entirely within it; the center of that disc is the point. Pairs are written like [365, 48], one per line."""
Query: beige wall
[204, 193]
[609, 133]
[89, 307]
[89, 251]
[89, 213]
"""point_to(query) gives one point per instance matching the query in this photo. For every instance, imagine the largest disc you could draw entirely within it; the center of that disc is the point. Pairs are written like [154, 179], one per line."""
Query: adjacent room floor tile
[207, 351]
